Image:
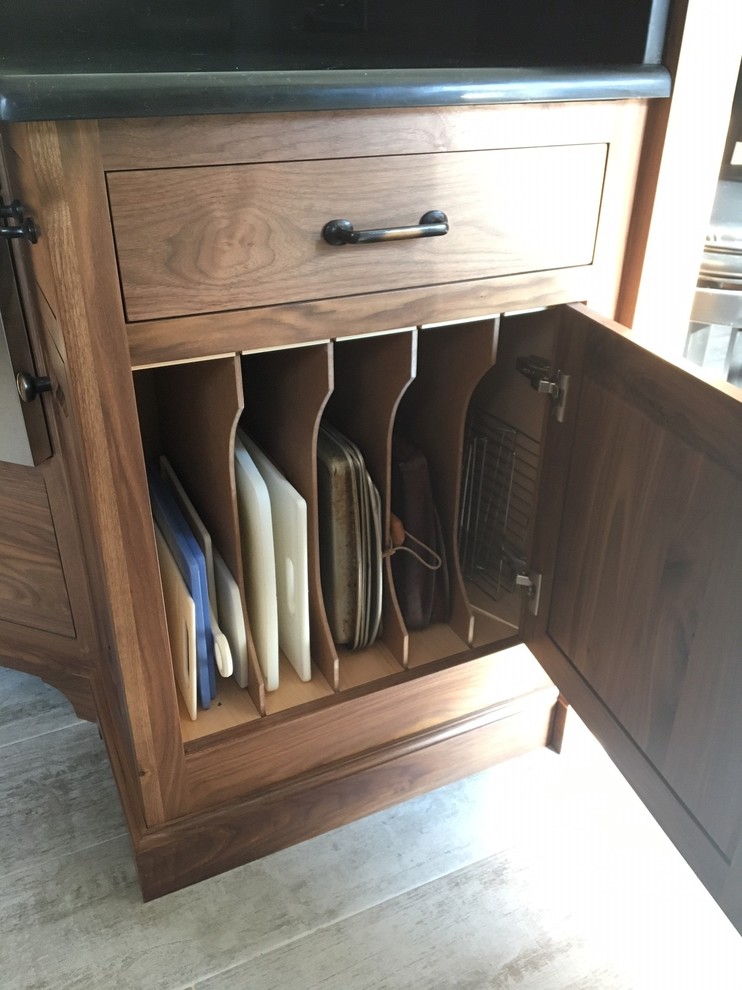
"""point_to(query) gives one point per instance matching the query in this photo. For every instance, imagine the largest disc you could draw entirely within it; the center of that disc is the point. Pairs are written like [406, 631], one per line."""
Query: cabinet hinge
[555, 385]
[525, 578]
[15, 223]
[531, 582]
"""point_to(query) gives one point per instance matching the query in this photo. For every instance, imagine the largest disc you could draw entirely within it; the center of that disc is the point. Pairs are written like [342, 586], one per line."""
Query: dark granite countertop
[83, 91]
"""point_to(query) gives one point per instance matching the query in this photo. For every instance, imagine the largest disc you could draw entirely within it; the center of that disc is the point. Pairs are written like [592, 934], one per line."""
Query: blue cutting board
[192, 566]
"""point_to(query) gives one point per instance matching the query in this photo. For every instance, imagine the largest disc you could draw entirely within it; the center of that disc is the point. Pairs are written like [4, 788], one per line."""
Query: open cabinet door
[640, 620]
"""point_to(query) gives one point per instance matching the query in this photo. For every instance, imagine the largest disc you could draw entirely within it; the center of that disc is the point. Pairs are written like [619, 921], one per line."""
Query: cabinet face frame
[21, 348]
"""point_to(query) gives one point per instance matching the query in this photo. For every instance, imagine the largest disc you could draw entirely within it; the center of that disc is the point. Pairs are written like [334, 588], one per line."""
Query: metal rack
[497, 503]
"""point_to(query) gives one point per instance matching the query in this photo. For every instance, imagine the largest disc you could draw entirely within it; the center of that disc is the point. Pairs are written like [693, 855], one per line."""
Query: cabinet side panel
[33, 591]
[100, 399]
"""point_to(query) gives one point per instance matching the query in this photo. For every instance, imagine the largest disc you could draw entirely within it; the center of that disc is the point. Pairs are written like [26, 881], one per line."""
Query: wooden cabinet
[46, 617]
[641, 630]
[509, 211]
[181, 284]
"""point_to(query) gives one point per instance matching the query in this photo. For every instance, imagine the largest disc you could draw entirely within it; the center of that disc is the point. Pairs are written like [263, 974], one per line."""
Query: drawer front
[209, 239]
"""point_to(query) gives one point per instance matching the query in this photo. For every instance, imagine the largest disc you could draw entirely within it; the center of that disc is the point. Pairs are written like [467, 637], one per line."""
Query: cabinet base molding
[76, 687]
[200, 846]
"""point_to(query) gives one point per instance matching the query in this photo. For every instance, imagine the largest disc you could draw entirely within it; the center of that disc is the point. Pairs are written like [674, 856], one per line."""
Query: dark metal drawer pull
[434, 223]
[29, 386]
[22, 226]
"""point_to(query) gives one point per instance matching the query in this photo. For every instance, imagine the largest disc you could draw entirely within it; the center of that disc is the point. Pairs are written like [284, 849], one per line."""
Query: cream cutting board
[222, 651]
[180, 613]
[289, 518]
[229, 605]
[256, 534]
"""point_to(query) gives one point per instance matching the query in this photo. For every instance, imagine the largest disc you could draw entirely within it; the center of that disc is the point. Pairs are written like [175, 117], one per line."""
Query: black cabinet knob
[29, 386]
[21, 227]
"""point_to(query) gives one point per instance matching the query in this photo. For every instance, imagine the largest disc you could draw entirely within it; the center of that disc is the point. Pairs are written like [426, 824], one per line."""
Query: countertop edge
[74, 96]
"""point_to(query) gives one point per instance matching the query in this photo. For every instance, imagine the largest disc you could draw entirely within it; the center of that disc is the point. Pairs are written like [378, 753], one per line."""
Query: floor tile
[56, 796]
[86, 914]
[477, 928]
[29, 707]
[587, 895]
[540, 870]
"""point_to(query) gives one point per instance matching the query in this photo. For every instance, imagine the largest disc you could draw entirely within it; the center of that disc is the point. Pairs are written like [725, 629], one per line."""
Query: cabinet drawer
[209, 239]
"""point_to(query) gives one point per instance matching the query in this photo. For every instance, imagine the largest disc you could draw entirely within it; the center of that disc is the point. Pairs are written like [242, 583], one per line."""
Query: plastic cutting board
[222, 651]
[180, 612]
[256, 534]
[289, 518]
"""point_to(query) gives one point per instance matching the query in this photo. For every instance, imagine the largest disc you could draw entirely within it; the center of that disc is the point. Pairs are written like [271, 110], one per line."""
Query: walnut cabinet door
[640, 618]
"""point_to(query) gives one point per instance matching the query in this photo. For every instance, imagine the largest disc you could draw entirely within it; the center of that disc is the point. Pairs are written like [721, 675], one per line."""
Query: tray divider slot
[451, 361]
[199, 406]
[285, 393]
[371, 376]
[504, 403]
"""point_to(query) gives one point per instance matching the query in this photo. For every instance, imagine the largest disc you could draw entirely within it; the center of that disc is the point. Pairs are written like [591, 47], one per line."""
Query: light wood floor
[540, 874]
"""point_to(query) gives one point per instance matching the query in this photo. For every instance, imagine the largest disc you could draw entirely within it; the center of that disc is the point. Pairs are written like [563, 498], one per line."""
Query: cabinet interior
[440, 387]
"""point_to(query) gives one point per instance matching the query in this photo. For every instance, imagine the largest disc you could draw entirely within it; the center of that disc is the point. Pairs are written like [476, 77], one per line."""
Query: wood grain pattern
[437, 641]
[33, 592]
[644, 615]
[674, 395]
[285, 394]
[280, 747]
[432, 416]
[206, 844]
[185, 338]
[292, 691]
[645, 600]
[683, 829]
[452, 868]
[359, 667]
[63, 658]
[21, 169]
[199, 405]
[340, 733]
[616, 211]
[64, 672]
[66, 500]
[187, 141]
[371, 377]
[231, 237]
[100, 396]
[507, 395]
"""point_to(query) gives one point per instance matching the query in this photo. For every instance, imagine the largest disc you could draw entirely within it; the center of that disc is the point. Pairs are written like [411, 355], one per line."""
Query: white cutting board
[289, 515]
[222, 651]
[180, 612]
[229, 605]
[256, 534]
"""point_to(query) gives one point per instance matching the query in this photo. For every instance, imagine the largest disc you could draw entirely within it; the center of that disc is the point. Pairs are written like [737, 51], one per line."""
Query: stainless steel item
[497, 503]
[715, 334]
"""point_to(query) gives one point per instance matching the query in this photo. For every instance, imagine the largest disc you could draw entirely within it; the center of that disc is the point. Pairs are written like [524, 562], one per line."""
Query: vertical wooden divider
[371, 376]
[199, 405]
[451, 361]
[285, 393]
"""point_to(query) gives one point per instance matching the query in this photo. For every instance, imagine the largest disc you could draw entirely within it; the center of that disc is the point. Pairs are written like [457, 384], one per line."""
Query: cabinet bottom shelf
[233, 705]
